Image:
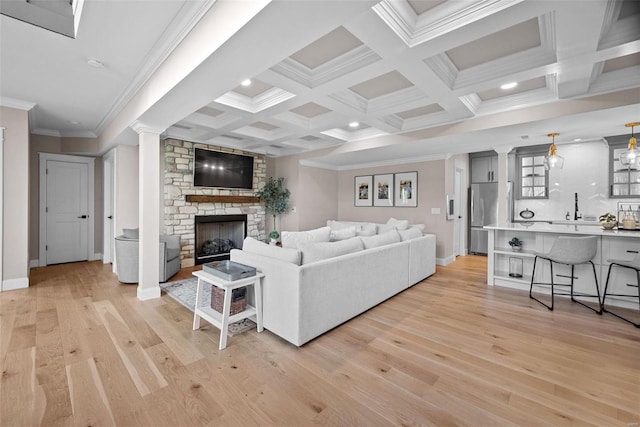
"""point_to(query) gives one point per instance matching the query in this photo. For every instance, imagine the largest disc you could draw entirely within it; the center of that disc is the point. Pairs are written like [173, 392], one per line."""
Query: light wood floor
[78, 348]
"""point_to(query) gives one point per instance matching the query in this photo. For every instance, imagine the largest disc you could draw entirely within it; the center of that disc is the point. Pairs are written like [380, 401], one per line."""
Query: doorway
[459, 228]
[108, 234]
[66, 209]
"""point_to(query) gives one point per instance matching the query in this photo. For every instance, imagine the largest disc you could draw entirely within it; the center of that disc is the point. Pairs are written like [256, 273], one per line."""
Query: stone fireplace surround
[179, 214]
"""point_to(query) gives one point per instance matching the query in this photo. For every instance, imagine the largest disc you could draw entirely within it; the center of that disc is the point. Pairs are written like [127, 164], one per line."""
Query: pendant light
[630, 157]
[552, 160]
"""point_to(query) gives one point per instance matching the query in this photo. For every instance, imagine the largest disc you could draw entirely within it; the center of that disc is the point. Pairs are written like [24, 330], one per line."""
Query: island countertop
[579, 228]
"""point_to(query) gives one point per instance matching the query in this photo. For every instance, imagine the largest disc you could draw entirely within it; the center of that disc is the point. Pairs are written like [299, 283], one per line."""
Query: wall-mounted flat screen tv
[226, 170]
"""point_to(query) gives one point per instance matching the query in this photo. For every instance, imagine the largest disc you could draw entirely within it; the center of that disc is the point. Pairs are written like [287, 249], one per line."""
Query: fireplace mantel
[197, 198]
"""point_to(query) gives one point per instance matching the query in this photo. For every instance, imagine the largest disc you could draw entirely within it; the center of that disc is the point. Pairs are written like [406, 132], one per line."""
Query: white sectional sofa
[310, 289]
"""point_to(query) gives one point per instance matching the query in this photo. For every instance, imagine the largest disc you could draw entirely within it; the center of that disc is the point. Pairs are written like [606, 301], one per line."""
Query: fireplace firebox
[216, 235]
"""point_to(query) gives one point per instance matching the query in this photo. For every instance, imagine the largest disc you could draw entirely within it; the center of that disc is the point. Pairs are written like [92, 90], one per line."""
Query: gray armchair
[127, 256]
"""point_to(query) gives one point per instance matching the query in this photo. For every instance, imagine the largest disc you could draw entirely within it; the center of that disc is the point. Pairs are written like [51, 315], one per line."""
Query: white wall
[586, 172]
[125, 205]
[15, 238]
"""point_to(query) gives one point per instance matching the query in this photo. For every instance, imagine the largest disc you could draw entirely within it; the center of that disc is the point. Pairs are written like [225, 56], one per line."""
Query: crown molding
[380, 163]
[46, 132]
[353, 60]
[355, 135]
[267, 99]
[139, 127]
[612, 81]
[18, 104]
[190, 14]
[417, 29]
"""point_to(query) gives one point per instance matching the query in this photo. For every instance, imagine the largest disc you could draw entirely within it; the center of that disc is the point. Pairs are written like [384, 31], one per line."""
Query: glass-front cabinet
[533, 179]
[624, 181]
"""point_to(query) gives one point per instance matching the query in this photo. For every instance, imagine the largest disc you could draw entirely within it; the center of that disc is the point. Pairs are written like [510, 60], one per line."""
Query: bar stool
[633, 264]
[569, 251]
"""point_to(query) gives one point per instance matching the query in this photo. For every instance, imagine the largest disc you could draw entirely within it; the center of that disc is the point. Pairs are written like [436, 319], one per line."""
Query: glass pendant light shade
[552, 159]
[631, 155]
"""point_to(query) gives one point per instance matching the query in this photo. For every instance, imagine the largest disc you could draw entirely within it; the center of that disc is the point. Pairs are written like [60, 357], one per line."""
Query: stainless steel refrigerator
[483, 211]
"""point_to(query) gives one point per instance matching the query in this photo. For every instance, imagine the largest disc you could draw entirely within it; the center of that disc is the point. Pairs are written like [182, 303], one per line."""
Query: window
[533, 178]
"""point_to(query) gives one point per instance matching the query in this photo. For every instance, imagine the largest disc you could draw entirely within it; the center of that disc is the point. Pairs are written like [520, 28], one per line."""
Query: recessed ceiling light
[354, 124]
[73, 122]
[577, 140]
[246, 82]
[507, 86]
[95, 63]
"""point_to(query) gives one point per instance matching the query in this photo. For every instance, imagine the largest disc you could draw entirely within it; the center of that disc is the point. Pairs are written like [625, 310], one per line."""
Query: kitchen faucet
[576, 215]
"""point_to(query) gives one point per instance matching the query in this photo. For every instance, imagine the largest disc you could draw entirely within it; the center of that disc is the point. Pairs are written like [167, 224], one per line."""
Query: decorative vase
[608, 225]
[516, 248]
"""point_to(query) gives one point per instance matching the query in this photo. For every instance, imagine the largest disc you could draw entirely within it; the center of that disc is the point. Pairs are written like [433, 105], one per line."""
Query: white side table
[222, 320]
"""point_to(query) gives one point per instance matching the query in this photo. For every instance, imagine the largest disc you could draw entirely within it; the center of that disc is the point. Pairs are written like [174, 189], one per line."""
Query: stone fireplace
[216, 235]
[184, 204]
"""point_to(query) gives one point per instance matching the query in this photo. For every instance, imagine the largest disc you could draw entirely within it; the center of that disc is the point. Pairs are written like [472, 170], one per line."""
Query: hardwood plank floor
[78, 348]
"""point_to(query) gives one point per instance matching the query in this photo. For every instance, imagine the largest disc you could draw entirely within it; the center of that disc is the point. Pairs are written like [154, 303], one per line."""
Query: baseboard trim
[11, 284]
[445, 261]
[34, 263]
[97, 256]
[148, 293]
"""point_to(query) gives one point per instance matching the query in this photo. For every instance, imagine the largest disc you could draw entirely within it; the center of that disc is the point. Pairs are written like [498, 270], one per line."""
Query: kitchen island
[506, 267]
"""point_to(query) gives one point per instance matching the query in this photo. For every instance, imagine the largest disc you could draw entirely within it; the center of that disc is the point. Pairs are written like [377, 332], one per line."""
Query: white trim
[97, 256]
[90, 162]
[418, 159]
[148, 293]
[108, 181]
[1, 199]
[19, 283]
[33, 263]
[18, 104]
[445, 261]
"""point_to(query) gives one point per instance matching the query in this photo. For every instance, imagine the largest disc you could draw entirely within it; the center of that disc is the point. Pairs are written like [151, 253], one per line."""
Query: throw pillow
[131, 233]
[343, 233]
[400, 224]
[385, 228]
[291, 239]
[410, 233]
[368, 229]
[312, 252]
[420, 226]
[380, 239]
[254, 246]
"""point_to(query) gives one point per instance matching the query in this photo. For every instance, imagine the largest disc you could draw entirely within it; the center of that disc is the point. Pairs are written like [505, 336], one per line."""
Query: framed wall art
[406, 189]
[363, 190]
[383, 190]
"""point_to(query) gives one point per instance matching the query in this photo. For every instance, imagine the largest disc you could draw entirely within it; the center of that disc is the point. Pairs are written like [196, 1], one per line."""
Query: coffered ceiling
[407, 79]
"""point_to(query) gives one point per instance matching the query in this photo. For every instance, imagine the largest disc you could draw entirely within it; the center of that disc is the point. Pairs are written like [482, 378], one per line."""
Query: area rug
[184, 291]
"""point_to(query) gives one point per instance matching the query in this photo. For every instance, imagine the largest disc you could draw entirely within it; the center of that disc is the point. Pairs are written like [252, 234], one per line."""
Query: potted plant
[516, 244]
[275, 197]
[607, 220]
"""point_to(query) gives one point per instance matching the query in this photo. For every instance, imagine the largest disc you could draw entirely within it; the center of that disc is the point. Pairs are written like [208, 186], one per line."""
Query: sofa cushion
[387, 238]
[272, 251]
[368, 229]
[291, 239]
[410, 233]
[172, 253]
[343, 234]
[385, 228]
[131, 233]
[317, 251]
[400, 224]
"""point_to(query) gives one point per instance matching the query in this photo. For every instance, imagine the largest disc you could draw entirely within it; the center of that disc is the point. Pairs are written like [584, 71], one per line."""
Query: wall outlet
[435, 211]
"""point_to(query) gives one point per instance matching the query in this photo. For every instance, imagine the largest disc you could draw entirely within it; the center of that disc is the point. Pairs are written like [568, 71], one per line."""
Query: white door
[458, 233]
[67, 212]
[107, 242]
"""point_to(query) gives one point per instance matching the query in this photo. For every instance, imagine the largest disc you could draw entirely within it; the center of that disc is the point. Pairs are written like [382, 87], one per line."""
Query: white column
[503, 183]
[1, 199]
[149, 220]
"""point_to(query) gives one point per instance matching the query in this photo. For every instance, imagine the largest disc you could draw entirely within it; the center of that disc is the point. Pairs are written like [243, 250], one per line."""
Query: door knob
[110, 217]
[82, 216]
